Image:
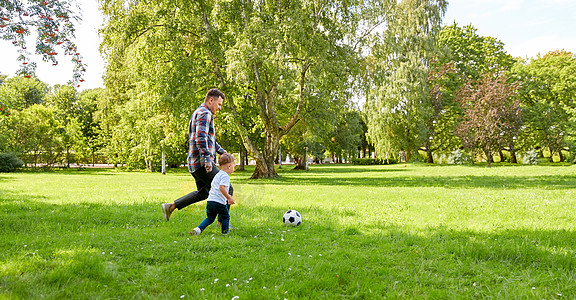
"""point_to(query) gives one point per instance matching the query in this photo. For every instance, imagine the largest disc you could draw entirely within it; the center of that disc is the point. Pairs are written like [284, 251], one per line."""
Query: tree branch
[296, 117]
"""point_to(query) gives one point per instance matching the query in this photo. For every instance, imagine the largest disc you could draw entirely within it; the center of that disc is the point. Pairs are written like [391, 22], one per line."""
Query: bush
[531, 157]
[9, 162]
[373, 161]
[456, 157]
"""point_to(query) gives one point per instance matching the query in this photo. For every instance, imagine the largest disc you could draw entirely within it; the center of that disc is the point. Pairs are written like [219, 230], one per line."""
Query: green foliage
[4, 110]
[89, 142]
[373, 161]
[19, 93]
[399, 103]
[472, 55]
[35, 134]
[344, 139]
[64, 100]
[277, 64]
[457, 157]
[548, 94]
[531, 157]
[463, 56]
[9, 162]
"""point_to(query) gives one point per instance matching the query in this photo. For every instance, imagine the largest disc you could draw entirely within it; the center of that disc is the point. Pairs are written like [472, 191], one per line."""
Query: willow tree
[275, 60]
[398, 103]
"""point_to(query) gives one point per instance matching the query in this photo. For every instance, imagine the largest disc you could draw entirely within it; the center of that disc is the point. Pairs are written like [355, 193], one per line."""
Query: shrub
[531, 157]
[9, 162]
[373, 161]
[456, 157]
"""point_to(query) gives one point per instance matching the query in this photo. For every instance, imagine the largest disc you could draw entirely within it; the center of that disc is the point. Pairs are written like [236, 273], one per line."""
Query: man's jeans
[203, 184]
[214, 209]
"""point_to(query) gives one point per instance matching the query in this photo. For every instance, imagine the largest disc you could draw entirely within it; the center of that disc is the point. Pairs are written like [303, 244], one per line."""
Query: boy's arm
[224, 191]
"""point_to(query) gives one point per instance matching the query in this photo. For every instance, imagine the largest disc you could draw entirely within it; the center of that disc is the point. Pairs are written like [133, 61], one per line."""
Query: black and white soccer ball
[292, 218]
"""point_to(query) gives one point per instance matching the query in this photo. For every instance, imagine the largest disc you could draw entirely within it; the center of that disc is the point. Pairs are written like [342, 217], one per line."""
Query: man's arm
[219, 148]
[202, 136]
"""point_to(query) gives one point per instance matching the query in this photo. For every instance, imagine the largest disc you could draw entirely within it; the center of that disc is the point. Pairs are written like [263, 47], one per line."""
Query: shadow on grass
[391, 176]
[451, 182]
[60, 250]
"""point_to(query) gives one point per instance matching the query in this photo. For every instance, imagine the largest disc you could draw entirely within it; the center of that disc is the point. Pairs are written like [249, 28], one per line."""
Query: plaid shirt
[201, 140]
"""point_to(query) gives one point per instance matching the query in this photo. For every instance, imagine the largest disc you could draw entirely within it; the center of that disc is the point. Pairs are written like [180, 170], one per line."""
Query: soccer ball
[292, 218]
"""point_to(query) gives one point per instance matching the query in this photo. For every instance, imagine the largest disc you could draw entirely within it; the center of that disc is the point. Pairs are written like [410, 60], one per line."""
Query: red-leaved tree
[492, 116]
[53, 23]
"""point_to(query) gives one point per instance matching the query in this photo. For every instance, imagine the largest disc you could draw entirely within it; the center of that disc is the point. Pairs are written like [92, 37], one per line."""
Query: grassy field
[369, 232]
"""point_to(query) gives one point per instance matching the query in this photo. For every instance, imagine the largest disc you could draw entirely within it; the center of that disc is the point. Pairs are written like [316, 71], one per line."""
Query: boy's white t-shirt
[221, 178]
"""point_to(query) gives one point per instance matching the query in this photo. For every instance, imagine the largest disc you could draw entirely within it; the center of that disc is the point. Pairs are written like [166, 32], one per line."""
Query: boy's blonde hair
[226, 158]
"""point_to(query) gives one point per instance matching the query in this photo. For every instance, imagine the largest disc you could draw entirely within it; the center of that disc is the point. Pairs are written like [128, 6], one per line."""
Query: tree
[462, 55]
[19, 93]
[345, 138]
[492, 118]
[64, 100]
[4, 113]
[472, 55]
[53, 21]
[399, 103]
[90, 127]
[268, 57]
[3, 109]
[303, 144]
[548, 95]
[443, 83]
[36, 135]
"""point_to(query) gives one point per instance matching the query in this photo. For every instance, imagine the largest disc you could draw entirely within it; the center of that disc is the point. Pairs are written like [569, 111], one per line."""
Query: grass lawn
[368, 232]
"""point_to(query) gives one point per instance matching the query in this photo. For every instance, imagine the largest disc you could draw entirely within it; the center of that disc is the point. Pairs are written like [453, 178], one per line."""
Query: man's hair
[214, 93]
[226, 158]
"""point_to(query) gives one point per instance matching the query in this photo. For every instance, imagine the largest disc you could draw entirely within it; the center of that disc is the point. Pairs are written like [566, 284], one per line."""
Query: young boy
[219, 196]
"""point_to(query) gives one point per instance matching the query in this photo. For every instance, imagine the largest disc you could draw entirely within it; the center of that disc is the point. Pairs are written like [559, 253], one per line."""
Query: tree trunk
[279, 158]
[163, 163]
[265, 98]
[429, 156]
[489, 158]
[68, 157]
[513, 158]
[560, 155]
[242, 159]
[306, 159]
[265, 161]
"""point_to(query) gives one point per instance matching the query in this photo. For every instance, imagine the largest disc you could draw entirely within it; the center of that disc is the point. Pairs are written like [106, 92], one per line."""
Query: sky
[526, 27]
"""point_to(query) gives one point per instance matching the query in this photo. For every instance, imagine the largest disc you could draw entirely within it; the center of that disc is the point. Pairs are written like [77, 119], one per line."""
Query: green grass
[369, 232]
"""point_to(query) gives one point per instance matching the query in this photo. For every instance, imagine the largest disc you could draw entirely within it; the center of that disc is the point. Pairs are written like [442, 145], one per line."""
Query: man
[202, 149]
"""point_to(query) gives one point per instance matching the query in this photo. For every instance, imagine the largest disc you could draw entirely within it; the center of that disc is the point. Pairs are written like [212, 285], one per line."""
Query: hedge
[9, 162]
[373, 161]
